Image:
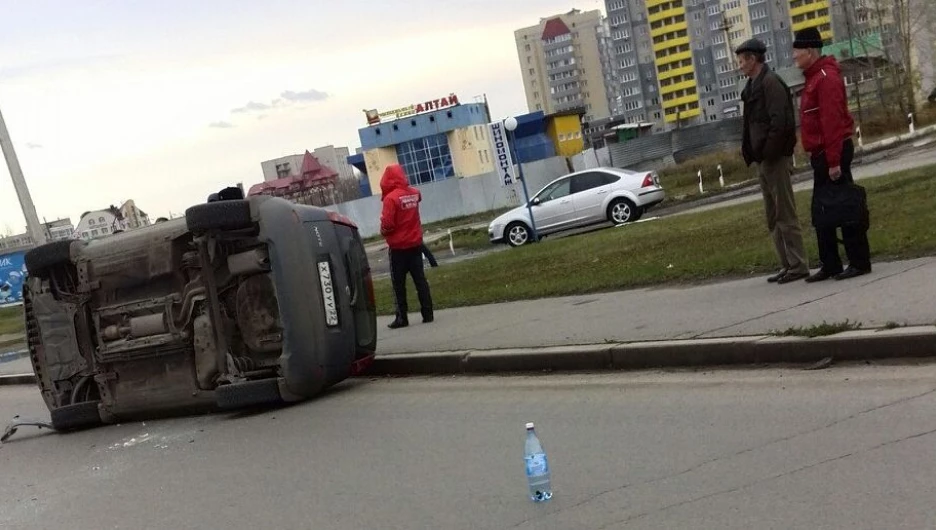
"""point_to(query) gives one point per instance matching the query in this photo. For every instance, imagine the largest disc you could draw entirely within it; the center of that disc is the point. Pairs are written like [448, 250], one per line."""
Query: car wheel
[40, 259]
[517, 234]
[220, 215]
[622, 211]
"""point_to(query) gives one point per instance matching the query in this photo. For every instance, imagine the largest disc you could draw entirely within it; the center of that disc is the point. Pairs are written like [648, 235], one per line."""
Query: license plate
[328, 294]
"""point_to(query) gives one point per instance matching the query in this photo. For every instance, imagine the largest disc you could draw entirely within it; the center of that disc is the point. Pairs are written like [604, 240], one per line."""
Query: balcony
[670, 28]
[684, 115]
[673, 57]
[676, 87]
[675, 72]
[666, 14]
[685, 100]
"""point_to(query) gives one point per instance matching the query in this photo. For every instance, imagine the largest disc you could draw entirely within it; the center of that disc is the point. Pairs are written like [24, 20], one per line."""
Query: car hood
[520, 212]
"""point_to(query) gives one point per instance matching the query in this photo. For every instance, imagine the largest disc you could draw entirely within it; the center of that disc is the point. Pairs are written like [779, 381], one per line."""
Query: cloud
[221, 125]
[287, 98]
[308, 95]
[31, 145]
[251, 106]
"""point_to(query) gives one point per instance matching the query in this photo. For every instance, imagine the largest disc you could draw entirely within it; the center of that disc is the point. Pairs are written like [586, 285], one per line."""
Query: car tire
[40, 259]
[76, 417]
[220, 215]
[517, 234]
[622, 211]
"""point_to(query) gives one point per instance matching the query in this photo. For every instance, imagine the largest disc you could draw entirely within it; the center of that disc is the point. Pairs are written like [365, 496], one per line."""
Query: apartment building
[561, 62]
[674, 59]
[871, 29]
[726, 24]
[633, 88]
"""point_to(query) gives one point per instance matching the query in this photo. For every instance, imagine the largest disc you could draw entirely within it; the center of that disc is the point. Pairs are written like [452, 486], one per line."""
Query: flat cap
[751, 46]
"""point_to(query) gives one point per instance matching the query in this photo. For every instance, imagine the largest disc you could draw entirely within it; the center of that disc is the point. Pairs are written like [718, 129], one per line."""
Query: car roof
[613, 170]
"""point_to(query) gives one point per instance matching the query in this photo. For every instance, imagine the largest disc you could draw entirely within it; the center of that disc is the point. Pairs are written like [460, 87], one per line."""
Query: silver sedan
[583, 198]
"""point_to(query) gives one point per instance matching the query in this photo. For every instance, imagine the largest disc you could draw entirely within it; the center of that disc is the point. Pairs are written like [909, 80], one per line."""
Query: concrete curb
[910, 342]
[853, 345]
[18, 379]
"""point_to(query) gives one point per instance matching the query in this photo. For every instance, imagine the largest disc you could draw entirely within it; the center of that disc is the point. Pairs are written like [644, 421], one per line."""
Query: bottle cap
[529, 425]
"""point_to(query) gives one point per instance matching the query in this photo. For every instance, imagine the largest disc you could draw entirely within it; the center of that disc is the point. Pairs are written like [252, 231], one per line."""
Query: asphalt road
[848, 447]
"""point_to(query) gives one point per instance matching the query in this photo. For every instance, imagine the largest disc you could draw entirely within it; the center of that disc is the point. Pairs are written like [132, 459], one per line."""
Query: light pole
[511, 125]
[19, 183]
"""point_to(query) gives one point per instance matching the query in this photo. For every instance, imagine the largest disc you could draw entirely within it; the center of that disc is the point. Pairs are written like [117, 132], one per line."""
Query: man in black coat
[768, 142]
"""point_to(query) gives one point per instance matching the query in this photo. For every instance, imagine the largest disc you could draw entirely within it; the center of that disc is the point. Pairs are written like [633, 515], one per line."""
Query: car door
[589, 191]
[555, 209]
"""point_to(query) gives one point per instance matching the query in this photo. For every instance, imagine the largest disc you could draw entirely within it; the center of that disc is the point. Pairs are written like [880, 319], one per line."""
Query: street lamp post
[511, 125]
[19, 183]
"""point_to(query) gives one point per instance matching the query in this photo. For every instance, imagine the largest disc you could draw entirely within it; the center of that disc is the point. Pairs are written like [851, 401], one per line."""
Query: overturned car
[242, 302]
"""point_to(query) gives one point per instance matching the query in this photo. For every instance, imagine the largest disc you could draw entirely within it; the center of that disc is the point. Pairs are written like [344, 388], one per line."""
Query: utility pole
[19, 183]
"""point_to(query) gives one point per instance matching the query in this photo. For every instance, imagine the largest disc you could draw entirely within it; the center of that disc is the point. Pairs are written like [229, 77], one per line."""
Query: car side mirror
[536, 201]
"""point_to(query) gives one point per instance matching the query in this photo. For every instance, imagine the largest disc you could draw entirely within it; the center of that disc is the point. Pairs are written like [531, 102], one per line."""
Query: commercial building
[565, 131]
[433, 140]
[304, 180]
[101, 223]
[561, 60]
[55, 231]
[335, 158]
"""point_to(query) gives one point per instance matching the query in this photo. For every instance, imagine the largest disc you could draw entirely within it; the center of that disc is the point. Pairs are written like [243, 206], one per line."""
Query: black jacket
[769, 120]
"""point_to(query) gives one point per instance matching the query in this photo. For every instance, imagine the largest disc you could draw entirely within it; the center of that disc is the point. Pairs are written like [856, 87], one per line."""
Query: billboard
[12, 273]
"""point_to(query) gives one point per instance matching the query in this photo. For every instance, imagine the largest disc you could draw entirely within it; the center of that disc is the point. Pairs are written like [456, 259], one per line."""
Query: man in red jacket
[402, 229]
[826, 129]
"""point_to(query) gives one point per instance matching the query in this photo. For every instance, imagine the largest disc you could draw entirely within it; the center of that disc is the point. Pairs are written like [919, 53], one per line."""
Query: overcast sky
[165, 101]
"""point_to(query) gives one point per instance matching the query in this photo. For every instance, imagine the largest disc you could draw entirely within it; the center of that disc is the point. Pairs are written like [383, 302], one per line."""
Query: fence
[673, 147]
[458, 197]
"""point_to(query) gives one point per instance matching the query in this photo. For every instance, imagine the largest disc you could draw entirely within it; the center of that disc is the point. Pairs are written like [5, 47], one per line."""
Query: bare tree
[901, 23]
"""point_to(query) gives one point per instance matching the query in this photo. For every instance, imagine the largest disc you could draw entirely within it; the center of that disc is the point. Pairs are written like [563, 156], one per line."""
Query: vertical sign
[12, 272]
[503, 161]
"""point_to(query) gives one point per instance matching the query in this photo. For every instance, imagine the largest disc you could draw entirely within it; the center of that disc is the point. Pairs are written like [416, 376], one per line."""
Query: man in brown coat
[768, 142]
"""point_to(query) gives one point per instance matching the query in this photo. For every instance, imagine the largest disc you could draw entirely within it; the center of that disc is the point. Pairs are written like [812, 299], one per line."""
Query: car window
[587, 181]
[556, 191]
[608, 178]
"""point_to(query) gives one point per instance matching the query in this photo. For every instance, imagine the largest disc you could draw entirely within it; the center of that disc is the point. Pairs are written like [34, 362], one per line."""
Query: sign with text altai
[374, 116]
[503, 161]
[12, 273]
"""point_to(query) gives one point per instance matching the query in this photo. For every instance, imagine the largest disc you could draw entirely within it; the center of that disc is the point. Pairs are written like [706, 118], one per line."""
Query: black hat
[807, 38]
[751, 46]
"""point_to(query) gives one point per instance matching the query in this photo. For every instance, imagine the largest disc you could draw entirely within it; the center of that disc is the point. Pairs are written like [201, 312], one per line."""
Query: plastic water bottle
[537, 467]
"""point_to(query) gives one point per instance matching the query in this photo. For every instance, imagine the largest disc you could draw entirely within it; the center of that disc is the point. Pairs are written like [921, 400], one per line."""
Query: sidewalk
[899, 292]
[718, 323]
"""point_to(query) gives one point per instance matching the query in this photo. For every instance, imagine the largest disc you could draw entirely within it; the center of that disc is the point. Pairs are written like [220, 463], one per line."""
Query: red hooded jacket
[825, 122]
[399, 220]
